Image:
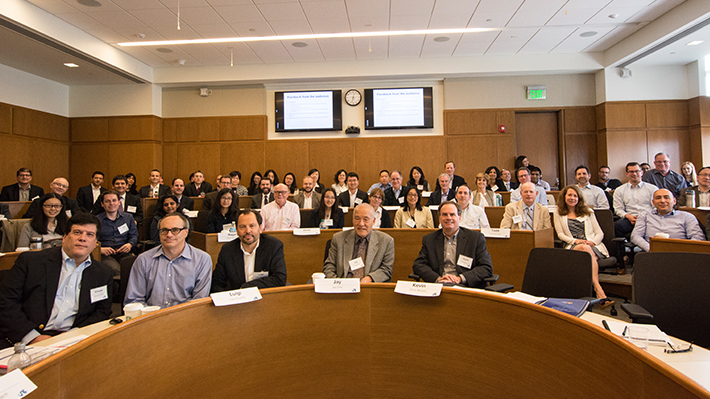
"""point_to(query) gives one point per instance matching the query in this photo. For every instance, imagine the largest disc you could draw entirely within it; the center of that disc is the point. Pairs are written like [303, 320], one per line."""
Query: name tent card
[418, 289]
[226, 236]
[15, 385]
[495, 233]
[313, 231]
[337, 285]
[234, 297]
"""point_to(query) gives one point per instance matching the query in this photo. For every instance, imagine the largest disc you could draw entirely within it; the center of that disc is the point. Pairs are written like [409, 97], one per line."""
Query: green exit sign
[537, 92]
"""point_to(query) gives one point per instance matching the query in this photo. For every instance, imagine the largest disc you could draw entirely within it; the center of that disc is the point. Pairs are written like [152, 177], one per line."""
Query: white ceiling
[524, 27]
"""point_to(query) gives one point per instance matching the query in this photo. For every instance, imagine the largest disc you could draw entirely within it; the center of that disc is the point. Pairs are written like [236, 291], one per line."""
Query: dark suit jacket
[131, 200]
[145, 191]
[429, 265]
[85, 198]
[393, 200]
[27, 294]
[337, 216]
[386, 220]
[191, 190]
[435, 197]
[458, 181]
[187, 202]
[229, 271]
[255, 200]
[612, 184]
[12, 192]
[344, 198]
[69, 204]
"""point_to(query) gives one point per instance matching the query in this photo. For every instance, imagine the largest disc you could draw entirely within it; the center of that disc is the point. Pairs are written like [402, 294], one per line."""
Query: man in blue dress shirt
[118, 234]
[173, 273]
[663, 219]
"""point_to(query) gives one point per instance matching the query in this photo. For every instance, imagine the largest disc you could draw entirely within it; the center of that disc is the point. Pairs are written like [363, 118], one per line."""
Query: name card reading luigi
[418, 289]
[234, 297]
[337, 285]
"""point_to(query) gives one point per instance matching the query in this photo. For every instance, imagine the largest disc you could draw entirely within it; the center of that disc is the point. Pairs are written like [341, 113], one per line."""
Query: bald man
[58, 186]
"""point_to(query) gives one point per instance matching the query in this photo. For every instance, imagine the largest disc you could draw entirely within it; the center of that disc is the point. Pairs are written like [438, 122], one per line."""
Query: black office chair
[615, 260]
[126, 266]
[671, 291]
[558, 273]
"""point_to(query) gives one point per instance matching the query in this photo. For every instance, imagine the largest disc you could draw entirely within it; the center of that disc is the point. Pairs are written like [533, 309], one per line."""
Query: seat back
[200, 222]
[11, 229]
[558, 273]
[327, 250]
[126, 265]
[606, 222]
[673, 287]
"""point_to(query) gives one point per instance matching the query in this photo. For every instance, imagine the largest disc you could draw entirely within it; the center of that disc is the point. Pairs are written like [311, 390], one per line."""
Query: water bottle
[20, 359]
[35, 243]
[233, 229]
[690, 198]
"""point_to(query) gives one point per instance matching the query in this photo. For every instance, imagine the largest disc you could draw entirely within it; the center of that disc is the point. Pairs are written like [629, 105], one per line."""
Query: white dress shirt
[287, 217]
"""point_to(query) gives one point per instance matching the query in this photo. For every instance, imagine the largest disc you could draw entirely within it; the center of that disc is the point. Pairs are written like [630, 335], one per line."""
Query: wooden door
[536, 138]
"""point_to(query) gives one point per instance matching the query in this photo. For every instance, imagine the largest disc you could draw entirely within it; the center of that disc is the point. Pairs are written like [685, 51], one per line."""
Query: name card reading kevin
[337, 285]
[418, 289]
[244, 295]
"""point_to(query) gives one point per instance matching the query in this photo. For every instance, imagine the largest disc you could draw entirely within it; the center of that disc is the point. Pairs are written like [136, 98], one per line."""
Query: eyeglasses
[174, 230]
[376, 197]
[50, 206]
[25, 175]
[281, 192]
[704, 175]
[61, 185]
[634, 171]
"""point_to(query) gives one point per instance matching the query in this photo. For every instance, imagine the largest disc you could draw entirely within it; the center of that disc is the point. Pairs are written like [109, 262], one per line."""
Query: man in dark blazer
[257, 200]
[12, 192]
[471, 263]
[269, 267]
[395, 195]
[131, 203]
[209, 200]
[508, 184]
[199, 187]
[58, 186]
[344, 199]
[28, 293]
[154, 189]
[85, 196]
[443, 192]
[454, 180]
[178, 189]
[300, 198]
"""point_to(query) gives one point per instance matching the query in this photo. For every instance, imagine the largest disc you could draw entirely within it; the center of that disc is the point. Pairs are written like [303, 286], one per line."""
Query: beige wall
[224, 101]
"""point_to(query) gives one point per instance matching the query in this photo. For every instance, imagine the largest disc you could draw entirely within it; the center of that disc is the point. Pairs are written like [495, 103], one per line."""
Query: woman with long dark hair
[340, 185]
[577, 226]
[166, 204]
[254, 183]
[416, 179]
[224, 211]
[412, 214]
[290, 182]
[49, 224]
[131, 184]
[327, 215]
[271, 174]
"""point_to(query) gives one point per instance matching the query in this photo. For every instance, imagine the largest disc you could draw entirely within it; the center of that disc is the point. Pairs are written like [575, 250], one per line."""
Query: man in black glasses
[173, 273]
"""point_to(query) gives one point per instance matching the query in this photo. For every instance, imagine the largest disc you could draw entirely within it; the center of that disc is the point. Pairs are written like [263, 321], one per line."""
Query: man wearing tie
[362, 252]
[526, 214]
[265, 196]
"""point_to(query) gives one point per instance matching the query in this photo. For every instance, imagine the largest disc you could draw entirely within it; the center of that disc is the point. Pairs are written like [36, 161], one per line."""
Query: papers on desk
[521, 296]
[16, 385]
[38, 353]
[313, 231]
[573, 307]
[495, 233]
[348, 228]
[655, 335]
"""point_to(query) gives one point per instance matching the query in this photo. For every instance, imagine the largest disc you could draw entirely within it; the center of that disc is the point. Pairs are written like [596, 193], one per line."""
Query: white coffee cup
[317, 276]
[132, 310]
[662, 235]
[149, 309]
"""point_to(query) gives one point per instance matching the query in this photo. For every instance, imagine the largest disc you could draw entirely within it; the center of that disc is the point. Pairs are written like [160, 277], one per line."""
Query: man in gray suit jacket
[361, 253]
[301, 198]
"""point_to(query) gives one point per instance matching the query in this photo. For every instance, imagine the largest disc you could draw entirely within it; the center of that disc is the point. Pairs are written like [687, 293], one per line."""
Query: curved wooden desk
[295, 343]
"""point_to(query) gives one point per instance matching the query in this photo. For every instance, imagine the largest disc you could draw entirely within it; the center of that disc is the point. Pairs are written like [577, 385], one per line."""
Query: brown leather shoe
[620, 271]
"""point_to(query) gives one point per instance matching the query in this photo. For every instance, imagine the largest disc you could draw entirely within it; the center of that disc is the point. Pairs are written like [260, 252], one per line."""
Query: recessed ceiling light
[89, 3]
[164, 50]
[299, 44]
[140, 35]
[613, 16]
[695, 42]
[588, 34]
[71, 65]
[672, 52]
[442, 39]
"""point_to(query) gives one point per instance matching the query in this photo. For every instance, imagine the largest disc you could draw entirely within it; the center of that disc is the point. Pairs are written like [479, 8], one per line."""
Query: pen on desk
[606, 325]
[623, 334]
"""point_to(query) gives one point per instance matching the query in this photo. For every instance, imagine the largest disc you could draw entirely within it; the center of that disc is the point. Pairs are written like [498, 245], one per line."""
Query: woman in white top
[577, 226]
[412, 214]
[48, 224]
[482, 194]
[382, 217]
[340, 186]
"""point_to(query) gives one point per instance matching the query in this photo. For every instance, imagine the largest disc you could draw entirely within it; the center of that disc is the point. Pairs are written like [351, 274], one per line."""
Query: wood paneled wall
[699, 121]
[637, 130]
[115, 145]
[36, 140]
[580, 145]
